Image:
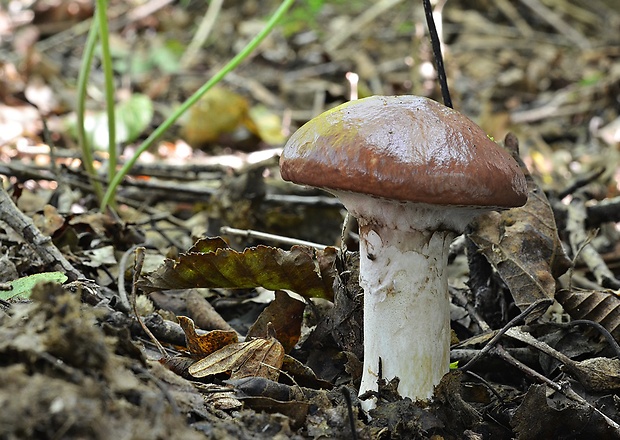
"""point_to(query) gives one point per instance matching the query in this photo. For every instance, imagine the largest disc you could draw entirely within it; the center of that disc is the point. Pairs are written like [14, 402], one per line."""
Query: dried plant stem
[436, 44]
[249, 233]
[565, 390]
[203, 32]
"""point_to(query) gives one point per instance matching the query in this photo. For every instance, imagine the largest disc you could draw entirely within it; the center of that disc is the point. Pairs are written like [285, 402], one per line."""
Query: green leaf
[132, 118]
[23, 286]
[161, 55]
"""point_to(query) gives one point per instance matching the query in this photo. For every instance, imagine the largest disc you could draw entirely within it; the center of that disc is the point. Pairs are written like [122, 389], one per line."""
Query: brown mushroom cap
[405, 148]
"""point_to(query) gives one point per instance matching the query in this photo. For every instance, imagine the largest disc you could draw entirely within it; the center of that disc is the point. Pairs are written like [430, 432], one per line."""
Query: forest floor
[114, 345]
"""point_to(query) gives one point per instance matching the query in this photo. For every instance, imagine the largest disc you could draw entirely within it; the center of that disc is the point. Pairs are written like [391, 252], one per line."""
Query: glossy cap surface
[405, 148]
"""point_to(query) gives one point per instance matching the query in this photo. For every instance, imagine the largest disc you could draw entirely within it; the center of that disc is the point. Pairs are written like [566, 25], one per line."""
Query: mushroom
[414, 173]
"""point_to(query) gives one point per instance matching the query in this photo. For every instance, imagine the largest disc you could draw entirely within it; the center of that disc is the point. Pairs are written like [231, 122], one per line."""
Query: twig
[570, 100]
[581, 182]
[556, 22]
[579, 242]
[436, 44]
[565, 390]
[315, 201]
[359, 22]
[555, 108]
[500, 352]
[41, 244]
[471, 310]
[604, 211]
[607, 210]
[602, 330]
[512, 13]
[201, 35]
[256, 89]
[596, 374]
[122, 268]
[495, 339]
[487, 385]
[520, 335]
[347, 398]
[464, 355]
[137, 270]
[249, 233]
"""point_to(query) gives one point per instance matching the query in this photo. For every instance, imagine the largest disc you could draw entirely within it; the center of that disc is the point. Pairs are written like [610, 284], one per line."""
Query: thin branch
[441, 71]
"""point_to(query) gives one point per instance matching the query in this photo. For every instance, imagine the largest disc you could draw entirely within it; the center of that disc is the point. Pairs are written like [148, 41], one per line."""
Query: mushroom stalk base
[403, 260]
[406, 308]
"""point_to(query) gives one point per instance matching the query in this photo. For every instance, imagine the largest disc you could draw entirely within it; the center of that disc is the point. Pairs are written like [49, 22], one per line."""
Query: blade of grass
[87, 154]
[232, 64]
[106, 58]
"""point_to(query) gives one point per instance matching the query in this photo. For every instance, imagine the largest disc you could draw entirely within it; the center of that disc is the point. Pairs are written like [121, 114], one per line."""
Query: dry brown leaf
[285, 315]
[539, 416]
[203, 345]
[255, 358]
[177, 364]
[303, 375]
[522, 244]
[49, 221]
[598, 306]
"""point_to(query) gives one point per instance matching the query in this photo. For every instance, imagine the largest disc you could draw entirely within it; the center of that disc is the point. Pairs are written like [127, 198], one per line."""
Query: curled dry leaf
[284, 315]
[302, 375]
[203, 345]
[211, 263]
[598, 306]
[255, 358]
[597, 374]
[522, 244]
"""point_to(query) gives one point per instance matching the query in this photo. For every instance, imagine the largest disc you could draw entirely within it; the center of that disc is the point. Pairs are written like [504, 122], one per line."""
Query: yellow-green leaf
[23, 286]
[209, 264]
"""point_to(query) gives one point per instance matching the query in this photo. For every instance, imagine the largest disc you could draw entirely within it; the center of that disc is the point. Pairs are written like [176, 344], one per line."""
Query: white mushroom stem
[403, 259]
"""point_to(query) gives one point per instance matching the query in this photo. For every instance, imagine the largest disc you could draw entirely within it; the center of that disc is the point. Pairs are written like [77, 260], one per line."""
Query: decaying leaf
[209, 245]
[49, 221]
[285, 315]
[595, 374]
[296, 411]
[303, 375]
[552, 415]
[203, 345]
[268, 124]
[211, 263]
[522, 244]
[226, 112]
[177, 364]
[598, 306]
[255, 358]
[223, 401]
